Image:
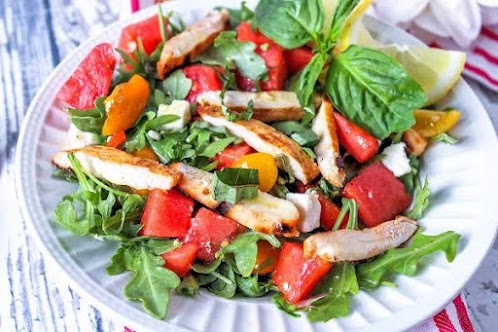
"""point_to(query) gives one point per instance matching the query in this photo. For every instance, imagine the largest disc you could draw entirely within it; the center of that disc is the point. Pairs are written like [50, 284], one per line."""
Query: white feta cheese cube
[396, 160]
[309, 210]
[78, 139]
[177, 107]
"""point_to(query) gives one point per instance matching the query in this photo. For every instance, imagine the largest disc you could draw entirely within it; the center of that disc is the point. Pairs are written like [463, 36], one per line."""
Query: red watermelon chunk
[180, 260]
[209, 230]
[295, 275]
[148, 30]
[231, 154]
[92, 78]
[167, 214]
[379, 194]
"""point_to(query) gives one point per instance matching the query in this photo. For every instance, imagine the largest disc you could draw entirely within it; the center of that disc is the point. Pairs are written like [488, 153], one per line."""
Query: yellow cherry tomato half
[432, 123]
[266, 166]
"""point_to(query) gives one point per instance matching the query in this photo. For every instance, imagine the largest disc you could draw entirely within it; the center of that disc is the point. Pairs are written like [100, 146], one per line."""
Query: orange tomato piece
[117, 139]
[432, 123]
[125, 105]
[267, 258]
[266, 166]
[146, 153]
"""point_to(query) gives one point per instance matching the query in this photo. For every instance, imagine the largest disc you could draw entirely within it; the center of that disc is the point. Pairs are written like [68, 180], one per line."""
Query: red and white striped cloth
[482, 65]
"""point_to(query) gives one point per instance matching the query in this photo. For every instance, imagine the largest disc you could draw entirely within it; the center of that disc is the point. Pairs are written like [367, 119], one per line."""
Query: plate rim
[33, 112]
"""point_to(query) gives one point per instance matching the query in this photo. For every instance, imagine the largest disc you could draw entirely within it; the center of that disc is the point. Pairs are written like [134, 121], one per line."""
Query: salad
[254, 153]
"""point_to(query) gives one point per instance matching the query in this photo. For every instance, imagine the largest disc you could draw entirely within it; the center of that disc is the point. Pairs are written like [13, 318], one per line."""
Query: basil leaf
[138, 139]
[304, 84]
[289, 127]
[160, 246]
[306, 138]
[405, 260]
[235, 116]
[344, 9]
[177, 86]
[91, 120]
[374, 91]
[421, 202]
[151, 282]
[290, 23]
[234, 184]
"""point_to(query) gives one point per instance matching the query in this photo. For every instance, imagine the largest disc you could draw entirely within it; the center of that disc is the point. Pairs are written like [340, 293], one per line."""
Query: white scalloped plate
[462, 177]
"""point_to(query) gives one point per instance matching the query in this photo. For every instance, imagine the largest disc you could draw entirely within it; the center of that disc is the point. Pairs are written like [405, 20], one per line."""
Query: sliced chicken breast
[268, 106]
[196, 183]
[121, 168]
[327, 150]
[352, 245]
[197, 38]
[267, 139]
[266, 214]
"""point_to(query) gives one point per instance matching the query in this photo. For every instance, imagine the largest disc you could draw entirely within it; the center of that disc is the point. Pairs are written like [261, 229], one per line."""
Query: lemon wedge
[352, 30]
[436, 70]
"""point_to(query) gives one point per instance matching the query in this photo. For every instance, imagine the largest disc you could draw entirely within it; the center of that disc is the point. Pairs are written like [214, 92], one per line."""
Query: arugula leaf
[304, 83]
[329, 189]
[235, 116]
[189, 286]
[217, 146]
[176, 86]
[373, 90]
[228, 52]
[405, 260]
[138, 138]
[151, 283]
[290, 23]
[245, 250]
[342, 12]
[285, 306]
[411, 178]
[421, 202]
[66, 174]
[91, 120]
[348, 206]
[251, 286]
[225, 285]
[207, 268]
[234, 184]
[237, 16]
[339, 285]
[445, 138]
[94, 209]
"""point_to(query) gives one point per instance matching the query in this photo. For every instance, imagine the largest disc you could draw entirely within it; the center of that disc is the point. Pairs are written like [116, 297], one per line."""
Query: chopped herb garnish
[234, 184]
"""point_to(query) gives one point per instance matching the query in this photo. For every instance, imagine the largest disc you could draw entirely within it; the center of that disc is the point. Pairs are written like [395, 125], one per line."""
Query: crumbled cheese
[154, 135]
[396, 160]
[180, 108]
[78, 139]
[309, 210]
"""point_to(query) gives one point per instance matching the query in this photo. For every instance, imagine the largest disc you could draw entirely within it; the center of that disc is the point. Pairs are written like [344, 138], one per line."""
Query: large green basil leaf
[290, 23]
[374, 91]
[304, 85]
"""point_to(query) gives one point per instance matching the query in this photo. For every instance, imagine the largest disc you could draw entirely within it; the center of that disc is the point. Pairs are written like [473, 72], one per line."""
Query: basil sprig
[234, 184]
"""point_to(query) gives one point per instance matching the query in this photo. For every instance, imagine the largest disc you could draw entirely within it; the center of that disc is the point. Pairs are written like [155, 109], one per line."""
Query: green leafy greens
[234, 184]
[91, 120]
[405, 260]
[373, 91]
[151, 282]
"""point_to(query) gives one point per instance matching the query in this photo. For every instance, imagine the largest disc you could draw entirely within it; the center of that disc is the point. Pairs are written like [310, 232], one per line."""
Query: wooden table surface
[34, 36]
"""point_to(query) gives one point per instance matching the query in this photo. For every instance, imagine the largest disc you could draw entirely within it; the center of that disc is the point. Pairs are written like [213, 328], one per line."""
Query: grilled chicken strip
[120, 168]
[196, 183]
[352, 245]
[197, 38]
[264, 138]
[327, 150]
[265, 214]
[268, 106]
